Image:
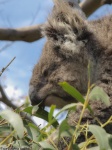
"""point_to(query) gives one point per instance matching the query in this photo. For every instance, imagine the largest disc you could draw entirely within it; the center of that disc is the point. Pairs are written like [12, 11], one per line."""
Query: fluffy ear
[74, 4]
[66, 29]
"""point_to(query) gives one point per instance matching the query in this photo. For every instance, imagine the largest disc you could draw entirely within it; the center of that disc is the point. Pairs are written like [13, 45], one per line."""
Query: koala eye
[45, 73]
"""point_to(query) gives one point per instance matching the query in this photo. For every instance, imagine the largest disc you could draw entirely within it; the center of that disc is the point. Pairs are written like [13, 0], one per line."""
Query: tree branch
[106, 2]
[3, 69]
[5, 100]
[27, 34]
[6, 46]
[89, 6]
[33, 33]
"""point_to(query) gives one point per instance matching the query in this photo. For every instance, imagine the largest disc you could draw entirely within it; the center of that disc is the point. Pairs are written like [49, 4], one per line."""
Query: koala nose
[33, 96]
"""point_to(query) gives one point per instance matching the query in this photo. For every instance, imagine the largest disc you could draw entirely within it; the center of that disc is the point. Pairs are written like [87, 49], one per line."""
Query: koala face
[52, 69]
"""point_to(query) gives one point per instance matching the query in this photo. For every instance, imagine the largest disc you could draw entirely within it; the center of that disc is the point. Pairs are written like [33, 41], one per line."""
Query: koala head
[64, 57]
[51, 70]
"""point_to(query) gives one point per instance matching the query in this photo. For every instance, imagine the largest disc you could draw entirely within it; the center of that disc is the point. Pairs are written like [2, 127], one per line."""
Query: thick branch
[89, 6]
[33, 33]
[7, 102]
[106, 1]
[28, 34]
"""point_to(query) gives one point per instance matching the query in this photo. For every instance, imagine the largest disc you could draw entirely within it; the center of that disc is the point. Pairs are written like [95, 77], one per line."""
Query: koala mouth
[57, 100]
[51, 99]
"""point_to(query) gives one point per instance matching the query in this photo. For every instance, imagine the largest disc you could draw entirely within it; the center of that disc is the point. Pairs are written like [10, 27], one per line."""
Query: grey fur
[72, 42]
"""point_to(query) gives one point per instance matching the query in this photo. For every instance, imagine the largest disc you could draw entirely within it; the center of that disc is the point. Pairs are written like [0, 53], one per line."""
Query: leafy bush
[17, 132]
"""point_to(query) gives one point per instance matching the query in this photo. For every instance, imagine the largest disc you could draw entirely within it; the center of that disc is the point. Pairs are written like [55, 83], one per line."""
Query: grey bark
[33, 33]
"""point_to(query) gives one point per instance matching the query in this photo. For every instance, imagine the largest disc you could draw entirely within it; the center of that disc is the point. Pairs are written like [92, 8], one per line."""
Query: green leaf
[110, 140]
[20, 144]
[65, 129]
[43, 114]
[94, 148]
[28, 110]
[74, 93]
[5, 129]
[98, 93]
[34, 109]
[50, 115]
[75, 147]
[101, 136]
[33, 133]
[34, 126]
[47, 149]
[4, 147]
[69, 106]
[15, 120]
[46, 145]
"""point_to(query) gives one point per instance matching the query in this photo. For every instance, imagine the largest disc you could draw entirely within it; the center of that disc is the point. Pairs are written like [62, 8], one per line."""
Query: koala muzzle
[35, 100]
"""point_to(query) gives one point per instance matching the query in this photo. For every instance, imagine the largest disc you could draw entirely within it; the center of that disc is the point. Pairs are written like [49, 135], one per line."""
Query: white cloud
[13, 92]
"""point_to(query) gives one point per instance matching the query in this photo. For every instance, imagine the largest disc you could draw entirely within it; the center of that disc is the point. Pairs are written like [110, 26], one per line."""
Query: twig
[6, 46]
[3, 69]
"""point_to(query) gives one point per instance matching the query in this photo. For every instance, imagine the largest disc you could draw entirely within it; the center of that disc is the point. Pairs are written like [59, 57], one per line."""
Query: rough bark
[89, 6]
[33, 33]
[27, 34]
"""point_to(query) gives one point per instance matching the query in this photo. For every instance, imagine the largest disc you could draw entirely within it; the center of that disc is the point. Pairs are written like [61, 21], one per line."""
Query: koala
[72, 43]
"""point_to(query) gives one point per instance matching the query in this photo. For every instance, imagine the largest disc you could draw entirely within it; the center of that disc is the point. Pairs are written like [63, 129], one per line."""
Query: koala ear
[74, 4]
[66, 28]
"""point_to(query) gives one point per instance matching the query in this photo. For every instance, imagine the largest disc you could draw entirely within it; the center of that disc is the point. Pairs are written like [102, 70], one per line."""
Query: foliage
[17, 132]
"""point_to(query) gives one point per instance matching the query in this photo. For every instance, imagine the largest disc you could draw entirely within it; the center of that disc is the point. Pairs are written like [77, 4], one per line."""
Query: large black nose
[35, 100]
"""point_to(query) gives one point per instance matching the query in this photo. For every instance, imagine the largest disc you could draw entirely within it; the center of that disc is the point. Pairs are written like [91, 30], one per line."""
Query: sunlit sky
[13, 14]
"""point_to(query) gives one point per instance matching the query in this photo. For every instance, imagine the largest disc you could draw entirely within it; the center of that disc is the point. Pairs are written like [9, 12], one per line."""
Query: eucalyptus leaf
[75, 147]
[101, 136]
[69, 106]
[110, 140]
[50, 115]
[74, 93]
[5, 129]
[20, 144]
[43, 114]
[46, 145]
[34, 109]
[98, 93]
[28, 110]
[33, 132]
[15, 120]
[65, 129]
[94, 148]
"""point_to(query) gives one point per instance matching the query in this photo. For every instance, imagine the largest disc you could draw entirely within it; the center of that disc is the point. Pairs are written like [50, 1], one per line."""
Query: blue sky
[20, 14]
[14, 13]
